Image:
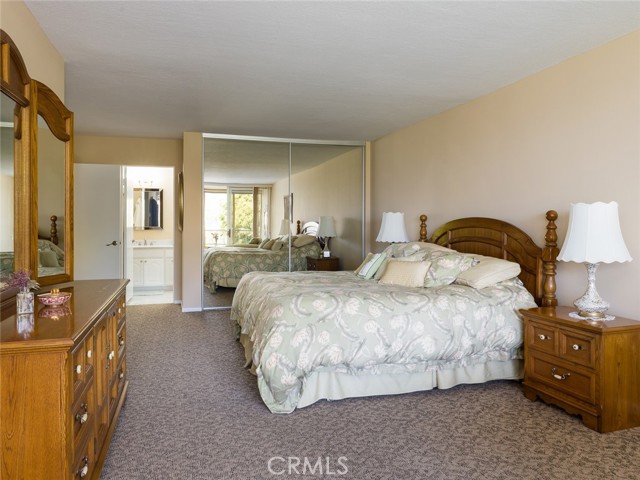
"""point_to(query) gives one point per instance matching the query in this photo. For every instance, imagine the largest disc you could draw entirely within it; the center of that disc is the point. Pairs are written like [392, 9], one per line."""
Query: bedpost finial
[549, 255]
[423, 228]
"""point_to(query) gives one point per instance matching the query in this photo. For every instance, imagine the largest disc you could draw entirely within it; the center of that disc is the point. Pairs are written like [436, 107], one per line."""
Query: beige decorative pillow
[303, 240]
[264, 242]
[406, 274]
[488, 271]
[278, 245]
[416, 257]
[255, 241]
[268, 244]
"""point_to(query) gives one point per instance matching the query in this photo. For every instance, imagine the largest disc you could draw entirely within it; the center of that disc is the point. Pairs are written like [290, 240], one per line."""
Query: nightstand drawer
[578, 384]
[577, 348]
[541, 337]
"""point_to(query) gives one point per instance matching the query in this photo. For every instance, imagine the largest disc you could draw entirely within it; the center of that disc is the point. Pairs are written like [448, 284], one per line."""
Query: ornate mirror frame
[59, 119]
[33, 98]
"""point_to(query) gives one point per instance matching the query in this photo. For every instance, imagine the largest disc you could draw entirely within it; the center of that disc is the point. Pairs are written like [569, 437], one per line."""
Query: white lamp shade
[327, 227]
[284, 227]
[594, 235]
[392, 228]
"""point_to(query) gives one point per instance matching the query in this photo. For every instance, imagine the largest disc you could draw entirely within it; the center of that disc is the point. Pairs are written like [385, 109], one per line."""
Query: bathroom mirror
[147, 208]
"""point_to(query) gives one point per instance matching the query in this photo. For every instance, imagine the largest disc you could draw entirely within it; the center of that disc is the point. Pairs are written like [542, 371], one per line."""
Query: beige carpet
[193, 412]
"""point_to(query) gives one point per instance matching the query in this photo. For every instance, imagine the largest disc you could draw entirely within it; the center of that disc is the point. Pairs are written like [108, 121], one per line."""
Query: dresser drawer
[83, 413]
[82, 357]
[84, 460]
[542, 337]
[562, 377]
[578, 347]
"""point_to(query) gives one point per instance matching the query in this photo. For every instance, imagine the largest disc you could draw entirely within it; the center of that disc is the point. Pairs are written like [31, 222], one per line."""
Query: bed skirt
[331, 385]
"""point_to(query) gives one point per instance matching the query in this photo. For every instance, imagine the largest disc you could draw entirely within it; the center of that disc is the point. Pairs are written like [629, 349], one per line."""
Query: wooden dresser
[591, 369]
[63, 383]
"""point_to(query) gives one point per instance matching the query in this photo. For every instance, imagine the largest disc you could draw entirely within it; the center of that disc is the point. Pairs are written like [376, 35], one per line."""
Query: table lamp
[593, 237]
[392, 229]
[326, 230]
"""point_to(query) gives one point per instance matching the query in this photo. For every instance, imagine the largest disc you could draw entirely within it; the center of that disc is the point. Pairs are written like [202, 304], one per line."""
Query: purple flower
[22, 280]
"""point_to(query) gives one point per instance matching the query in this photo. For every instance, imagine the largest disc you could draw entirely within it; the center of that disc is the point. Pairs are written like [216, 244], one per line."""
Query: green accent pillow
[48, 258]
[445, 267]
[370, 265]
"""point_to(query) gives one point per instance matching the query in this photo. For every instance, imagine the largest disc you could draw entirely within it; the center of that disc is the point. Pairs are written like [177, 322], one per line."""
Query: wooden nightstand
[328, 264]
[591, 369]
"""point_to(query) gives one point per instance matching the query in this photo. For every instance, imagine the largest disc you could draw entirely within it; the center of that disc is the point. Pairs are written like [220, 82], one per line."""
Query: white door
[98, 235]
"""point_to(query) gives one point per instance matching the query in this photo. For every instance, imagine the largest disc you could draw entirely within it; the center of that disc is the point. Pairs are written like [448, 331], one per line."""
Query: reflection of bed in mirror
[50, 255]
[225, 266]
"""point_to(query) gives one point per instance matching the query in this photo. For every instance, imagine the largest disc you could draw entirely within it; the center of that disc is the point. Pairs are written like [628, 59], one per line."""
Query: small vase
[24, 302]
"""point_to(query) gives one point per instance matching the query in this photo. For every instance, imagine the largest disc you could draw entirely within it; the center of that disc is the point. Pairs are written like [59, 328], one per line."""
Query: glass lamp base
[591, 305]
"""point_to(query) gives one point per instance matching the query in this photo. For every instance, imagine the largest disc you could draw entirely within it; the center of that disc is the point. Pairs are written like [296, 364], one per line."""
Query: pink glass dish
[54, 299]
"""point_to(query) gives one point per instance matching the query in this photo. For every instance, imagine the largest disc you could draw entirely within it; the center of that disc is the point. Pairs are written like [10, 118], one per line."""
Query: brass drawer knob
[85, 468]
[83, 416]
[564, 376]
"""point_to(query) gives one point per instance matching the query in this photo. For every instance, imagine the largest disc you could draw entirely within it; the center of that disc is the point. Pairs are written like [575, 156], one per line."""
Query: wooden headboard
[499, 239]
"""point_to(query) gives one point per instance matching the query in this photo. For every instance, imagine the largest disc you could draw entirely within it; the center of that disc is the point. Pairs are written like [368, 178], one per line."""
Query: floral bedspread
[302, 322]
[234, 262]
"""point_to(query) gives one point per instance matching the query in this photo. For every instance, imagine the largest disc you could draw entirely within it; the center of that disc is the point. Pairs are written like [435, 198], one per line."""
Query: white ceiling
[324, 70]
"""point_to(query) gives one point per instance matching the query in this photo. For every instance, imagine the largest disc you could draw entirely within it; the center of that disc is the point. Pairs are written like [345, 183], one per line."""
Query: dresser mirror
[53, 204]
[15, 107]
[7, 180]
[40, 157]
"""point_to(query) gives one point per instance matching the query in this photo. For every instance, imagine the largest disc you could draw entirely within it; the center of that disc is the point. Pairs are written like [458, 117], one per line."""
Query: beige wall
[43, 61]
[192, 232]
[570, 133]
[157, 152]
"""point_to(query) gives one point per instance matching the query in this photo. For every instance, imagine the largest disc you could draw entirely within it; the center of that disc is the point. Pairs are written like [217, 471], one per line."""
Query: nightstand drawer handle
[544, 337]
[575, 346]
[564, 376]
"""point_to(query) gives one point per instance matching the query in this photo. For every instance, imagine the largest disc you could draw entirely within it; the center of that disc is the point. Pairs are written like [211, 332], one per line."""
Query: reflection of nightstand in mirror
[329, 264]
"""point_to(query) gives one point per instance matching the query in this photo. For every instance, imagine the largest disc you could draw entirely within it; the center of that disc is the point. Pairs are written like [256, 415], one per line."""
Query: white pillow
[416, 257]
[406, 274]
[488, 271]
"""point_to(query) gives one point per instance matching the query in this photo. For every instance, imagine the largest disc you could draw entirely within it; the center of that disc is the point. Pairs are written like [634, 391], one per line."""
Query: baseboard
[191, 309]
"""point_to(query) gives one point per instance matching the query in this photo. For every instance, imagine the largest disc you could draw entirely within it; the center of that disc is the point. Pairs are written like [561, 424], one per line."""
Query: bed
[225, 266]
[331, 335]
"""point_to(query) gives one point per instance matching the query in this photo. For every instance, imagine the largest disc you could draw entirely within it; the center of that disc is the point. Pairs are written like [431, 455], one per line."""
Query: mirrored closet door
[263, 199]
